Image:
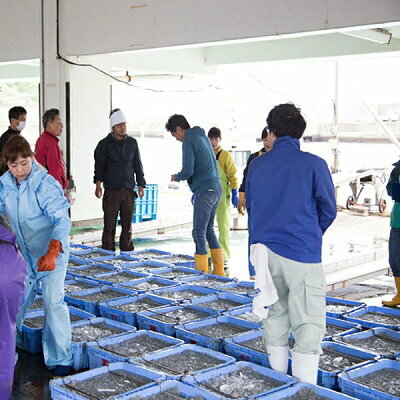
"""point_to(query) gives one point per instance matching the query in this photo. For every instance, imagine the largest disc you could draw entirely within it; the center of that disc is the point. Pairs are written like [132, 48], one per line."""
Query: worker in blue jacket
[38, 211]
[291, 202]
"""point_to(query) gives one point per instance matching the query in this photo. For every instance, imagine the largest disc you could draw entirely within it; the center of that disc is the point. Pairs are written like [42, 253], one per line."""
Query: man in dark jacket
[118, 166]
[17, 118]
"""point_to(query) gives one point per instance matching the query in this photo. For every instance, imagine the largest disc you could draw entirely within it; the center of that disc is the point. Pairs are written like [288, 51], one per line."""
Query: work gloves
[242, 203]
[48, 261]
[235, 198]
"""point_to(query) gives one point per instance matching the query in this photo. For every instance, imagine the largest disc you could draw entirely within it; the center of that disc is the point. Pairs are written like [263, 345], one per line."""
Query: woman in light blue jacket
[38, 212]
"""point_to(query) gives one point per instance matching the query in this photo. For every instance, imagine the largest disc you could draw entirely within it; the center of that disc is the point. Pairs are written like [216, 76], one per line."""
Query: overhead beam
[317, 46]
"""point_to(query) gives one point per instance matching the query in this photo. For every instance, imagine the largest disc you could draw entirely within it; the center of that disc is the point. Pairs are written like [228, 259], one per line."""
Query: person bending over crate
[38, 211]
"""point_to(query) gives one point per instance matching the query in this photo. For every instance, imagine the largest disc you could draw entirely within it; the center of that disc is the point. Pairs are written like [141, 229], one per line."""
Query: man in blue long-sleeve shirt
[199, 169]
[290, 201]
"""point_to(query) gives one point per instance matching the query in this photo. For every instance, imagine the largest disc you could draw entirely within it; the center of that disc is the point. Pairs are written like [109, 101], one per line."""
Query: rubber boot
[201, 262]
[305, 367]
[217, 257]
[396, 299]
[278, 358]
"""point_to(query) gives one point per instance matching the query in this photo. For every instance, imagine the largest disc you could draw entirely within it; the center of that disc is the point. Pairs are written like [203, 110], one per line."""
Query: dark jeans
[394, 251]
[115, 201]
[204, 209]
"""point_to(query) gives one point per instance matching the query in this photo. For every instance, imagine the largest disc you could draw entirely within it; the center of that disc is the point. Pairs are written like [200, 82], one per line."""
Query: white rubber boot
[278, 358]
[305, 367]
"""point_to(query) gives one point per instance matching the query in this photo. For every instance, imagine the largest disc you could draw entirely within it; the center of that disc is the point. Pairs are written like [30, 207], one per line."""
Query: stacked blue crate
[146, 207]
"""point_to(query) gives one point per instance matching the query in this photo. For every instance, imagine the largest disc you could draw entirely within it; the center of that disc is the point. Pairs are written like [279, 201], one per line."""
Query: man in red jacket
[47, 150]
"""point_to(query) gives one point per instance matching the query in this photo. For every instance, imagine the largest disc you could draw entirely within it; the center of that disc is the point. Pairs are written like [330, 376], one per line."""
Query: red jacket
[48, 153]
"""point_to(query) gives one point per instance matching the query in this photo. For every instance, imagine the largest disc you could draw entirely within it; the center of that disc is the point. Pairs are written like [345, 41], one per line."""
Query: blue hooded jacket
[290, 200]
[38, 212]
[199, 165]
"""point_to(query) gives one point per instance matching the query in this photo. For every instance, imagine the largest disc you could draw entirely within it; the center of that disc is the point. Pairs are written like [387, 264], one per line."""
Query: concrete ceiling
[205, 58]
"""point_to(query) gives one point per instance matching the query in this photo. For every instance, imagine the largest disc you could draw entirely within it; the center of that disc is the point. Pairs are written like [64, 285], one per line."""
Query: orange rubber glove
[48, 261]
[242, 203]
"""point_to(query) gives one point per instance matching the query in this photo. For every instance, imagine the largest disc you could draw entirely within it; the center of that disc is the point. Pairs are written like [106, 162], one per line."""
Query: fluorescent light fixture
[378, 35]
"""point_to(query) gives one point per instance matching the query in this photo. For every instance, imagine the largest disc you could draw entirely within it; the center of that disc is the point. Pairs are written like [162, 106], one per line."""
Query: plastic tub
[345, 327]
[93, 306]
[200, 302]
[145, 254]
[387, 333]
[177, 273]
[202, 379]
[360, 391]
[147, 321]
[293, 390]
[328, 379]
[107, 278]
[60, 390]
[160, 282]
[234, 346]
[100, 356]
[79, 349]
[152, 360]
[186, 331]
[201, 291]
[187, 261]
[148, 266]
[357, 317]
[244, 288]
[108, 308]
[346, 305]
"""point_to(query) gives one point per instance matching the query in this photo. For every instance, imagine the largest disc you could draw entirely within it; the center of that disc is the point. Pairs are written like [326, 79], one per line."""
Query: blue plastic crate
[152, 360]
[78, 247]
[93, 306]
[142, 254]
[239, 313]
[85, 253]
[234, 347]
[174, 292]
[108, 310]
[31, 338]
[99, 356]
[349, 305]
[106, 279]
[351, 388]
[243, 288]
[356, 316]
[194, 280]
[184, 390]
[60, 391]
[177, 273]
[200, 302]
[88, 284]
[387, 333]
[149, 266]
[349, 327]
[79, 314]
[328, 379]
[74, 262]
[146, 321]
[186, 331]
[202, 378]
[291, 391]
[187, 262]
[143, 218]
[164, 283]
[86, 271]
[118, 260]
[79, 349]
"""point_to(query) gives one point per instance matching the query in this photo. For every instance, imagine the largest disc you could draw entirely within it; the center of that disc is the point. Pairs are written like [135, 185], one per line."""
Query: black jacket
[246, 170]
[117, 163]
[8, 134]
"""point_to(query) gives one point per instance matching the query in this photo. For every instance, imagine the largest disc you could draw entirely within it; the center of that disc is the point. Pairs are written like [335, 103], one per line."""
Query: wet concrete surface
[31, 378]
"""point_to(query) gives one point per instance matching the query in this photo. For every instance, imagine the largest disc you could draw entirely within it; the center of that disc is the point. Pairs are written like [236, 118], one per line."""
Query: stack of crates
[146, 206]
